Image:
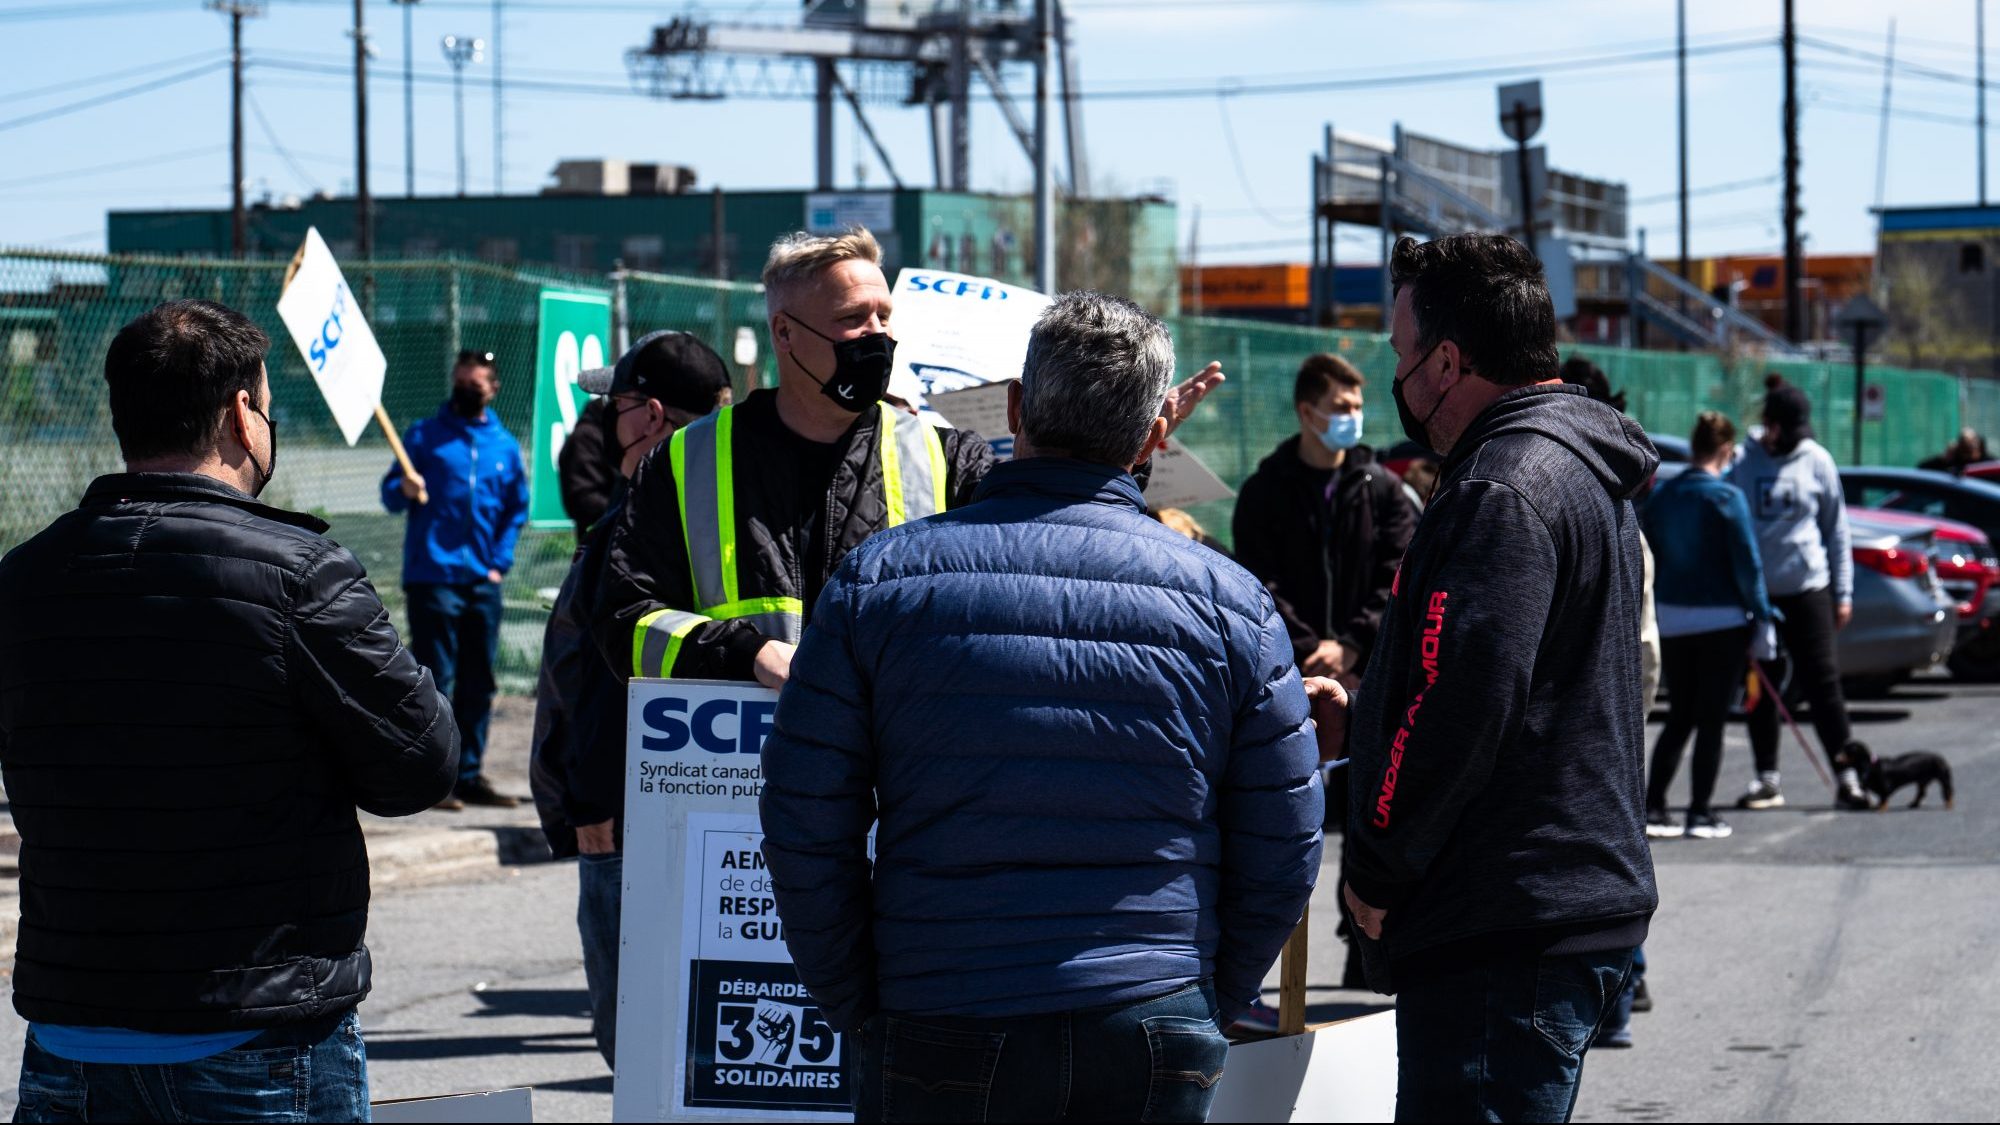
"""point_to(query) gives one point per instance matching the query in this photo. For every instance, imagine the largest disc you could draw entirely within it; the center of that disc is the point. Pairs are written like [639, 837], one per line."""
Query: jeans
[1704, 672]
[1809, 637]
[1500, 1037]
[314, 1071]
[599, 885]
[455, 632]
[1157, 1060]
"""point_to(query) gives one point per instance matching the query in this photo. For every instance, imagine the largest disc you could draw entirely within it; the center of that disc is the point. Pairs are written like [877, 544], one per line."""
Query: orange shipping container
[1245, 287]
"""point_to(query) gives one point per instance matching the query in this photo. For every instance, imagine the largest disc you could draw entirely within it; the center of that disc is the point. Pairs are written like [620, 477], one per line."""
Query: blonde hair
[799, 258]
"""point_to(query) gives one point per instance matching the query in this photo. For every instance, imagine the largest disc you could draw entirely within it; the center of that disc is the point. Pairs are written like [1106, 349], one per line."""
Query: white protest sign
[1179, 477]
[954, 331]
[334, 339]
[713, 1023]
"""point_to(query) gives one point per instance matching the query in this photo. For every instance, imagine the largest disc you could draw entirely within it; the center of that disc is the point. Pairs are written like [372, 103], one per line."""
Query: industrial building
[1935, 267]
[600, 214]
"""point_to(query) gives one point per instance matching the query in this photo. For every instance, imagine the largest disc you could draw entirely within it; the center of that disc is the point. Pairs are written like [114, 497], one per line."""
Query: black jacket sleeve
[1484, 595]
[967, 458]
[1395, 524]
[585, 470]
[1256, 526]
[392, 733]
[646, 570]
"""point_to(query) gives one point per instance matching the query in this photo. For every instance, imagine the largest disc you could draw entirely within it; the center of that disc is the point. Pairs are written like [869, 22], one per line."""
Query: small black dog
[1883, 776]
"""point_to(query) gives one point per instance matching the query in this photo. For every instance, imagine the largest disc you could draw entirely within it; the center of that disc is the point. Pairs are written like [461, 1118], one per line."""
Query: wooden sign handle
[1292, 981]
[403, 455]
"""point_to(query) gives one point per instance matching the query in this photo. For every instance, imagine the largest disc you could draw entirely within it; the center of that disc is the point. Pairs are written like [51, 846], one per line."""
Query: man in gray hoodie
[1800, 514]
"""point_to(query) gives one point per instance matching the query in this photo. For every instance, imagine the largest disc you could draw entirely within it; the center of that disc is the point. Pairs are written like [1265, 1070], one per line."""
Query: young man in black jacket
[577, 760]
[1324, 526]
[196, 692]
[1496, 846]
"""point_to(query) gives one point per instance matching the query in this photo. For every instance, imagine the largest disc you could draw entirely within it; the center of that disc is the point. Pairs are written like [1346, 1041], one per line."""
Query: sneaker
[1708, 826]
[480, 791]
[1618, 1038]
[1853, 800]
[1261, 1020]
[1642, 1000]
[1761, 795]
[1660, 825]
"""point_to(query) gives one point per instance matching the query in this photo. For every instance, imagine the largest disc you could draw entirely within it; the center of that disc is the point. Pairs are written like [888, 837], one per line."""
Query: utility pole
[499, 102]
[1045, 184]
[409, 105]
[1795, 309]
[364, 204]
[1681, 70]
[239, 224]
[1979, 22]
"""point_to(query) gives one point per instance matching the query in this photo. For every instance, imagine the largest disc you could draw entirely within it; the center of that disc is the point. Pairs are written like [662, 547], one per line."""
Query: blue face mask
[1343, 431]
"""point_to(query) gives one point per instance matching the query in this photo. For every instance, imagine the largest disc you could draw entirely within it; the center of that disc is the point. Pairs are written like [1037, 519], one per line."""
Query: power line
[271, 135]
[113, 76]
[1711, 189]
[113, 96]
[115, 166]
[1243, 177]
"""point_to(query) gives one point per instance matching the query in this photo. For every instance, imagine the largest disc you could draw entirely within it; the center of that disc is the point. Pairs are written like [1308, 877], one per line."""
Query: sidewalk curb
[403, 857]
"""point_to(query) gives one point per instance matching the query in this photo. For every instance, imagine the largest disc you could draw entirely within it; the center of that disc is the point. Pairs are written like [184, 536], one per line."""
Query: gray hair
[1096, 375]
[799, 258]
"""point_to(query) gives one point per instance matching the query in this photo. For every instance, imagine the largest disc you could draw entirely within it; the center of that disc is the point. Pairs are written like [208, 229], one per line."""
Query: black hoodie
[1497, 742]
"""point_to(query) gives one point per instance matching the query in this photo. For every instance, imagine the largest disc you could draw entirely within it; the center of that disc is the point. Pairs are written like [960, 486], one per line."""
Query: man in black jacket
[196, 693]
[588, 474]
[1323, 525]
[732, 529]
[1496, 844]
[577, 761]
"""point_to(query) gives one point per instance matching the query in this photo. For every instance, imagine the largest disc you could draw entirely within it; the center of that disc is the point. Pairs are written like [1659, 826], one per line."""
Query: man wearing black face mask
[1496, 857]
[809, 470]
[467, 503]
[197, 691]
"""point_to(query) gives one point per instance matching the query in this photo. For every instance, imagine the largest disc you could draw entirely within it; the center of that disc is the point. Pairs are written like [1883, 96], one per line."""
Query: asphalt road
[1817, 966]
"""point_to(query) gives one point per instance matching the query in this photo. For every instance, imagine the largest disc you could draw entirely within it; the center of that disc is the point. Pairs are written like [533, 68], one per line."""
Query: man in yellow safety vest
[732, 528]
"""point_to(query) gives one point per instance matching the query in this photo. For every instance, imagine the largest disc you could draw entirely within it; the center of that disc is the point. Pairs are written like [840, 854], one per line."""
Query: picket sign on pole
[339, 348]
[713, 1024]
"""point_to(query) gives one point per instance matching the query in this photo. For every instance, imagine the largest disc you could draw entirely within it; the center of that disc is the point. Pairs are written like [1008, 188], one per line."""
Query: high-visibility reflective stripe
[780, 618]
[656, 642]
[892, 465]
[725, 502]
[695, 454]
[912, 467]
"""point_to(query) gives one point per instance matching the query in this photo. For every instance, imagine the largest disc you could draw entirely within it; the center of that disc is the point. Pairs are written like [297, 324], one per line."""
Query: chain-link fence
[59, 312]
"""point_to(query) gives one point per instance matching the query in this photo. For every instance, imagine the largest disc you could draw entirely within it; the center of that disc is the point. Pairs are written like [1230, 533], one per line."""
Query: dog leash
[1764, 679]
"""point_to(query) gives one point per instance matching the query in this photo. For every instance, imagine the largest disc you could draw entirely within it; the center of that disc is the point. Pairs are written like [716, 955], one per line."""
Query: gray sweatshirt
[1800, 512]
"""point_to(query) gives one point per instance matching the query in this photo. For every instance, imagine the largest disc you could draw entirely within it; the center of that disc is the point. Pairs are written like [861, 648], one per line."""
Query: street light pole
[409, 106]
[458, 51]
[1045, 189]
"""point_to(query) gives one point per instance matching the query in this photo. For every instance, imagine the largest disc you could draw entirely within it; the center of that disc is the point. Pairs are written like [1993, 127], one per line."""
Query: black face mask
[860, 368]
[466, 401]
[1418, 430]
[614, 449]
[264, 472]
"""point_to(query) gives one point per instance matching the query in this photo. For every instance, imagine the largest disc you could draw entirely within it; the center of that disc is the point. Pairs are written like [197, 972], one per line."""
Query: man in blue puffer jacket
[1088, 751]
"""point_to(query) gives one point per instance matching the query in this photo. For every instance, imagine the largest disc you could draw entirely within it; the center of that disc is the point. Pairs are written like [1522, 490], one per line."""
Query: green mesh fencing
[58, 313]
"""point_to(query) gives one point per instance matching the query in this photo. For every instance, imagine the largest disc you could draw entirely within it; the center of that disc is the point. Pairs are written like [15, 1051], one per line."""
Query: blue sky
[167, 146]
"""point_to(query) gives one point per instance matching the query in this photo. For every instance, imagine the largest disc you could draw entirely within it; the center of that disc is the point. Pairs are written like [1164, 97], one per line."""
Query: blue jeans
[455, 632]
[1502, 1037]
[1157, 1060]
[315, 1071]
[599, 884]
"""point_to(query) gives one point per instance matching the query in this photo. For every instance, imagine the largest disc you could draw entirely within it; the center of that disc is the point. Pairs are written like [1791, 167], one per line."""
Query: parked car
[1984, 470]
[1948, 501]
[1904, 622]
